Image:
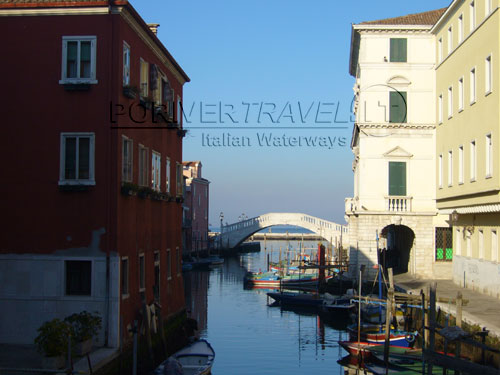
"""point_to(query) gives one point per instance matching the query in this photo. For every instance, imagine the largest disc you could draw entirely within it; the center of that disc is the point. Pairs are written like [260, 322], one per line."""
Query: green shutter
[397, 178]
[398, 105]
[398, 50]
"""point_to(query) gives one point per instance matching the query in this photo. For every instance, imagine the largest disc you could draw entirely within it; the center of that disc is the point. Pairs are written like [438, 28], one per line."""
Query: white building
[393, 142]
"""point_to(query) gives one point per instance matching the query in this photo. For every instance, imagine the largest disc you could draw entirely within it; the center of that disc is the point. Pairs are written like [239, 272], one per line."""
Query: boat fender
[410, 337]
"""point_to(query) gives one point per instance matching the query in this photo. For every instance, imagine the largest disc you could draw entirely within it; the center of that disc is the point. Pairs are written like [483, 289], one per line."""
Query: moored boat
[195, 359]
[296, 299]
[375, 333]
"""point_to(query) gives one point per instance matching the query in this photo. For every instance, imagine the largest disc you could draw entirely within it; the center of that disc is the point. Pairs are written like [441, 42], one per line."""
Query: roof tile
[425, 18]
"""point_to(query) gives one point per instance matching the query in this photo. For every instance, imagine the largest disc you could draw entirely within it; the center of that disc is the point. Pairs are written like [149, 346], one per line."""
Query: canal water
[251, 337]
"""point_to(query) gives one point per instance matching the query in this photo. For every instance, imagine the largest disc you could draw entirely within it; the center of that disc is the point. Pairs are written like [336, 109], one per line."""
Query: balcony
[350, 206]
[396, 203]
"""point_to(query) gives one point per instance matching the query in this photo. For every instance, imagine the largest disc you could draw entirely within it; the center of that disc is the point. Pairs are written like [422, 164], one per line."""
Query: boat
[375, 333]
[195, 359]
[187, 266]
[358, 349]
[273, 280]
[337, 303]
[215, 260]
[401, 367]
[296, 299]
[367, 350]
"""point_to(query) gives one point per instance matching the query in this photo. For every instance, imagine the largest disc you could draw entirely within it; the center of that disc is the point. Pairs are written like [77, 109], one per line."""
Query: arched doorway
[399, 239]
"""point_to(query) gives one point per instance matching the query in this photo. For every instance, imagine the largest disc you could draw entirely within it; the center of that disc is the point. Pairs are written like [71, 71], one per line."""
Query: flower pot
[53, 363]
[83, 347]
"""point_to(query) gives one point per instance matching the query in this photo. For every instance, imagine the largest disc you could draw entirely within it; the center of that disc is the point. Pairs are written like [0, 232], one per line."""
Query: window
[460, 28]
[494, 246]
[206, 191]
[472, 14]
[488, 75]
[487, 7]
[142, 273]
[78, 277]
[469, 246]
[440, 108]
[169, 264]
[472, 85]
[156, 171]
[450, 102]
[143, 166]
[124, 277]
[481, 244]
[440, 49]
[489, 156]
[397, 178]
[77, 159]
[461, 164]
[444, 244]
[178, 261]
[78, 59]
[473, 161]
[461, 94]
[144, 79]
[450, 39]
[398, 52]
[156, 286]
[458, 241]
[450, 168]
[440, 171]
[199, 200]
[126, 64]
[167, 176]
[127, 159]
[179, 111]
[398, 107]
[178, 178]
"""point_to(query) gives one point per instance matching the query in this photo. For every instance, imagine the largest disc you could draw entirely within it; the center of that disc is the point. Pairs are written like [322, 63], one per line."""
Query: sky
[268, 106]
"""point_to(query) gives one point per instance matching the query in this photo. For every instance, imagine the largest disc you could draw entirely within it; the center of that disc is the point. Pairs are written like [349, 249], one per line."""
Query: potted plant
[52, 342]
[128, 188]
[130, 91]
[84, 326]
[143, 192]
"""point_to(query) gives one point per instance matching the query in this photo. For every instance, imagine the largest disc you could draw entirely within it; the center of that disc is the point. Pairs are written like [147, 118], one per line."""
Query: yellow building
[467, 40]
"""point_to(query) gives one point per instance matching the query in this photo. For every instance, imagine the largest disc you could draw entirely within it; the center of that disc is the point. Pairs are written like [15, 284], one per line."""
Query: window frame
[450, 39]
[179, 191]
[168, 167]
[178, 261]
[440, 109]
[473, 161]
[480, 234]
[440, 171]
[389, 190]
[461, 101]
[440, 50]
[169, 264]
[450, 168]
[62, 159]
[64, 59]
[450, 102]
[472, 16]
[460, 28]
[460, 165]
[494, 245]
[397, 57]
[143, 85]
[473, 86]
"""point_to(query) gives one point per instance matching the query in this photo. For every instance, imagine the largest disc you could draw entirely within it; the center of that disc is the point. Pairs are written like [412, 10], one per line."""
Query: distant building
[468, 138]
[92, 173]
[393, 141]
[196, 204]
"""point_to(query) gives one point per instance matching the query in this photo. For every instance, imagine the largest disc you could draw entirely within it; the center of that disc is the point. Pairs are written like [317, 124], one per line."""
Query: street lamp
[454, 216]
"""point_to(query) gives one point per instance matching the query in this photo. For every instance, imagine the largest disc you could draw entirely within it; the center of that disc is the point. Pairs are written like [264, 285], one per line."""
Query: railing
[398, 203]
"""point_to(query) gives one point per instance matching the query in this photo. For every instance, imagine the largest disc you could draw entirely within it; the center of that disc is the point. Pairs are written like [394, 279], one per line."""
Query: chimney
[154, 27]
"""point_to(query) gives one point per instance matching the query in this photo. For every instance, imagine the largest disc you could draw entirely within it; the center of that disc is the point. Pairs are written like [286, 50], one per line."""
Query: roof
[425, 18]
[57, 3]
[191, 163]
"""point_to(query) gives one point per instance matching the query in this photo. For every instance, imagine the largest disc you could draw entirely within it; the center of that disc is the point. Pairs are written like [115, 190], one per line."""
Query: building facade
[393, 142]
[196, 205]
[467, 144]
[94, 209]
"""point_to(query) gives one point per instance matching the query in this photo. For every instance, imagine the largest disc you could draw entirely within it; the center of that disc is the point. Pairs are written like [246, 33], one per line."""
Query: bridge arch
[234, 234]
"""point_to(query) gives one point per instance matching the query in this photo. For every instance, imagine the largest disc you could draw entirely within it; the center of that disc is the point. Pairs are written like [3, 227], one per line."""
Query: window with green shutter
[397, 178]
[398, 105]
[398, 50]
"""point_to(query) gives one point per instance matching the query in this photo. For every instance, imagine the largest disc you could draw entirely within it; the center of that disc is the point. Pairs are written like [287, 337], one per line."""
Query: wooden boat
[273, 280]
[337, 303]
[369, 350]
[195, 359]
[296, 299]
[375, 333]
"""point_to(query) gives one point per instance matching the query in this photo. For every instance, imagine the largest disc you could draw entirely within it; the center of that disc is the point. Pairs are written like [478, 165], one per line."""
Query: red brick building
[195, 208]
[92, 166]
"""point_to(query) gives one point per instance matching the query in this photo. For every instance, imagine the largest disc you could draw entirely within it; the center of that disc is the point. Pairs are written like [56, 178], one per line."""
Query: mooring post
[432, 322]
[388, 314]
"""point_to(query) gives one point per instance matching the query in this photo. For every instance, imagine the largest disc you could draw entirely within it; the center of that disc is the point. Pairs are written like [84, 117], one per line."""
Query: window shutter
[397, 178]
[398, 105]
[398, 52]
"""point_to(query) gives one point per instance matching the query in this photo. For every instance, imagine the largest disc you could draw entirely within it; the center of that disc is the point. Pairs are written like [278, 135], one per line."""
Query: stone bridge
[234, 234]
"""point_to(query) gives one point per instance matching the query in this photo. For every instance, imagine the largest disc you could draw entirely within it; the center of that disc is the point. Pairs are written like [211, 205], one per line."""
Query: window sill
[473, 102]
[142, 290]
[460, 110]
[488, 176]
[125, 296]
[76, 182]
[461, 183]
[488, 92]
[78, 82]
[472, 180]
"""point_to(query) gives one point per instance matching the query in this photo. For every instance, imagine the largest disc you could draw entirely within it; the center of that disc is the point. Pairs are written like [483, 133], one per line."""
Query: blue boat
[375, 333]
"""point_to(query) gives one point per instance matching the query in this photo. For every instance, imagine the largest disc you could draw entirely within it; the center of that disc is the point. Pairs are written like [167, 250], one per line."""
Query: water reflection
[251, 337]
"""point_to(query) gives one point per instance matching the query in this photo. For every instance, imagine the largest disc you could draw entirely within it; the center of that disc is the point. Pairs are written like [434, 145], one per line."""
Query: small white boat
[195, 359]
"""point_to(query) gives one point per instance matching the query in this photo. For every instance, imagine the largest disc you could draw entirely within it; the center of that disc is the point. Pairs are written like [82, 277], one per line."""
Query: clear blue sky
[270, 53]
